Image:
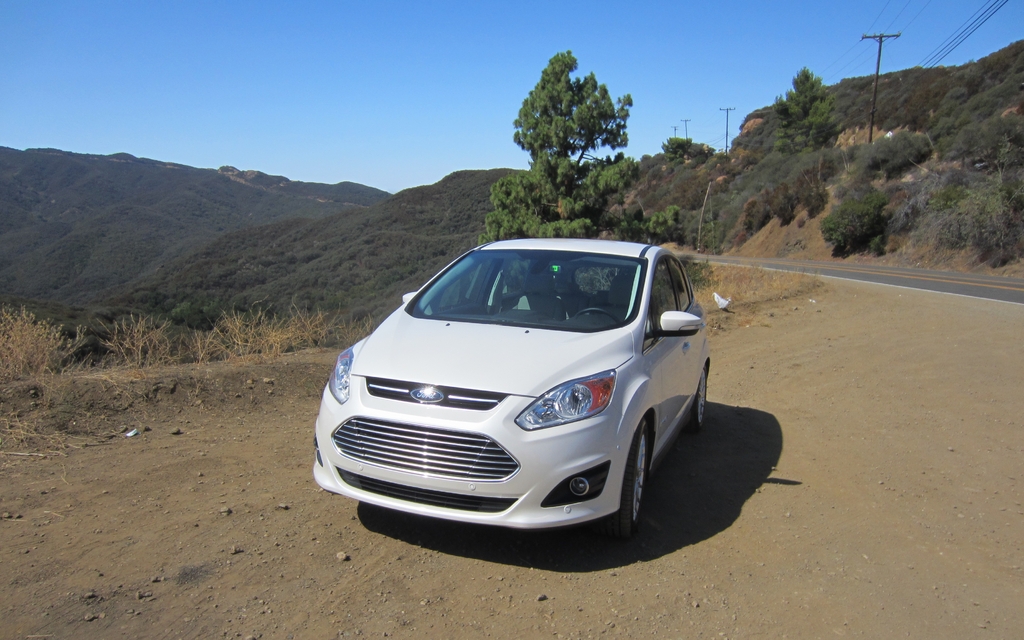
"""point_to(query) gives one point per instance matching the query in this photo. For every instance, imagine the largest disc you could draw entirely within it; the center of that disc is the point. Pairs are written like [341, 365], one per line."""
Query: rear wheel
[625, 522]
[696, 420]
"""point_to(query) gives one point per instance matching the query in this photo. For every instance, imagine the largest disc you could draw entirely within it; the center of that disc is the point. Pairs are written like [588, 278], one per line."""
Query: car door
[664, 355]
[692, 348]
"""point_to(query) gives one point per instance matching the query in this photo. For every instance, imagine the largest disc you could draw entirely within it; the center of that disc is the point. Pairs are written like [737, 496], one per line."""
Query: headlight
[569, 402]
[341, 377]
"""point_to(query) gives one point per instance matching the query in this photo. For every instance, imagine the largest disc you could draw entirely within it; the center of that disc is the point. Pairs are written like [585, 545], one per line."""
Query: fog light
[579, 486]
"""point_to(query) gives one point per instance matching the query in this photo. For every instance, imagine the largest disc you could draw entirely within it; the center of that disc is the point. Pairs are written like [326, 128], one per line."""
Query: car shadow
[697, 491]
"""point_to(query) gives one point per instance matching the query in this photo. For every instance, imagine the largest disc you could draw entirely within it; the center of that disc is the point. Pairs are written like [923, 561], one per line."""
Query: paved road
[963, 284]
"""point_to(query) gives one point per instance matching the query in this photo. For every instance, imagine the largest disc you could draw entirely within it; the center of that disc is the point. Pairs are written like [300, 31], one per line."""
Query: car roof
[583, 245]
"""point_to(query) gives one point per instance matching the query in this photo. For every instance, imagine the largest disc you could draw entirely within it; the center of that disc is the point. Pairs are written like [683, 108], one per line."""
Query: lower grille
[430, 497]
[425, 451]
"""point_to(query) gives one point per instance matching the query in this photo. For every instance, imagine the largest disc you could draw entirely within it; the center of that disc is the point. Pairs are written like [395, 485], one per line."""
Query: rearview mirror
[406, 297]
[679, 323]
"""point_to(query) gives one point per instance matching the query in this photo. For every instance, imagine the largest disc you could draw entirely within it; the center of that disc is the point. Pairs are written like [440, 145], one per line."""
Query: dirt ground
[860, 475]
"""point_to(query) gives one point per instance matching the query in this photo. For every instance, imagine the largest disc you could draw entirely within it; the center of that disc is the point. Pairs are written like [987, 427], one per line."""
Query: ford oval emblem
[427, 394]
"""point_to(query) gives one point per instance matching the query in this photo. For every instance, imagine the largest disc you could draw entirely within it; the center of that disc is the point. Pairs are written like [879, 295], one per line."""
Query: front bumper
[546, 457]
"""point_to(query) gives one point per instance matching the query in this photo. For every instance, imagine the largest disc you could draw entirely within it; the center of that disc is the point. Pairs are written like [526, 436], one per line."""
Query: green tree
[566, 191]
[805, 114]
[676, 149]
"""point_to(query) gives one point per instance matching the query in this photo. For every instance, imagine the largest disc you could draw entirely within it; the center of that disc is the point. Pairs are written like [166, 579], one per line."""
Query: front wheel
[696, 420]
[625, 522]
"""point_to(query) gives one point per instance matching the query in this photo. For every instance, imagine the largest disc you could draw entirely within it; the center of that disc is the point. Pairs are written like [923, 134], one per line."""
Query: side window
[681, 285]
[663, 298]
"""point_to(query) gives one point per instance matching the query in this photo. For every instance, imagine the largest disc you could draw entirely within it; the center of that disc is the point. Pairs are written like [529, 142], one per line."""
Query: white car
[530, 384]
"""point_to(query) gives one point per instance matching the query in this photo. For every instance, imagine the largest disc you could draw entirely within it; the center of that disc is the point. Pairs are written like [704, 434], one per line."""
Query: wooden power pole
[727, 110]
[881, 37]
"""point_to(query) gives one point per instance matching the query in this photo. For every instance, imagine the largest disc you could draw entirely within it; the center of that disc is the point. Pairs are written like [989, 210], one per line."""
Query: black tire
[625, 522]
[695, 422]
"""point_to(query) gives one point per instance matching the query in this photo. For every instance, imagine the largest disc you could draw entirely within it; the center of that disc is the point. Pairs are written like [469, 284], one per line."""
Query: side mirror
[406, 297]
[679, 323]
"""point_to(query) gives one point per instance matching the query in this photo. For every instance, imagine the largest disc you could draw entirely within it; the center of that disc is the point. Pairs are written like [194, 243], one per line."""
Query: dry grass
[257, 336]
[252, 336]
[139, 341]
[28, 348]
[749, 285]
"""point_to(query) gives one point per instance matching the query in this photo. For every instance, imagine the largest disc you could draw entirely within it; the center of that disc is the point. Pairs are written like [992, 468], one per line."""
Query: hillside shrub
[702, 274]
[988, 217]
[893, 156]
[813, 195]
[782, 203]
[756, 214]
[996, 144]
[700, 153]
[29, 348]
[854, 223]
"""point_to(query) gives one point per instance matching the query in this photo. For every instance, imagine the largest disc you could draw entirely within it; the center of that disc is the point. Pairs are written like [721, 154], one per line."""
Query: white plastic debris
[133, 432]
[720, 301]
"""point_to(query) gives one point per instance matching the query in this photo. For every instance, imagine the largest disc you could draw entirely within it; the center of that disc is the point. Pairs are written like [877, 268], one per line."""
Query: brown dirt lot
[860, 475]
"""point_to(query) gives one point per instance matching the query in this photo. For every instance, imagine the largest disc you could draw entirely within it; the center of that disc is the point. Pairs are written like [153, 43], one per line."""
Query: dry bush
[309, 328]
[140, 341]
[256, 335]
[204, 346]
[253, 335]
[29, 348]
[753, 284]
[352, 331]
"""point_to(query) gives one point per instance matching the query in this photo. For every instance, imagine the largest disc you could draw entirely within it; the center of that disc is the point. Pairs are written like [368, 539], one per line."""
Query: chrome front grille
[453, 396]
[424, 451]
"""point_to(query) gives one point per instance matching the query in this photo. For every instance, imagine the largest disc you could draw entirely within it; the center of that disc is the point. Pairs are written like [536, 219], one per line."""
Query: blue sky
[398, 94]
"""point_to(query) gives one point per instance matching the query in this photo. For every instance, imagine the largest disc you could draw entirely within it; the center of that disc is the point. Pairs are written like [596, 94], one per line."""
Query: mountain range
[75, 226]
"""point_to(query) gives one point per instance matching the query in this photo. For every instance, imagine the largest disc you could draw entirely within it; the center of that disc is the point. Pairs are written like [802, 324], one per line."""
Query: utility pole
[881, 37]
[686, 130]
[727, 110]
[674, 130]
[700, 225]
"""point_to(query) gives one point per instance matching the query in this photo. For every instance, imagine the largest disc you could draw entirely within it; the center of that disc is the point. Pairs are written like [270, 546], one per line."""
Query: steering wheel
[595, 309]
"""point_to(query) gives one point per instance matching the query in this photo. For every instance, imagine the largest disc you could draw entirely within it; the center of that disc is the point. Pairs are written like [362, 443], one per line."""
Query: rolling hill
[359, 260]
[74, 226]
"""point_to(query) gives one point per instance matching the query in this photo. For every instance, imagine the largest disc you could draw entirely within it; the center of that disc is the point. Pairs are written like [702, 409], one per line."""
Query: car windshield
[563, 290]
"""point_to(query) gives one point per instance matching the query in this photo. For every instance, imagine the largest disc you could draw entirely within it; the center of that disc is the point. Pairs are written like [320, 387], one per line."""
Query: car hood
[500, 358]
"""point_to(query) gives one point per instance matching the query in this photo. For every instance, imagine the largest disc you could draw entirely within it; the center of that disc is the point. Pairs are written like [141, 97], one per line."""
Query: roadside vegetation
[31, 349]
[945, 170]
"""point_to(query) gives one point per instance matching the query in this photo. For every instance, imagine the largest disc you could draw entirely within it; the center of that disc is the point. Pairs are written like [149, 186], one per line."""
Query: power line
[840, 57]
[980, 17]
[960, 30]
[879, 15]
[897, 16]
[860, 59]
[916, 16]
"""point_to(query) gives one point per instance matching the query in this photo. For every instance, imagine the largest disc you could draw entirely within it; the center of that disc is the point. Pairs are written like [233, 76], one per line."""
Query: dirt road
[860, 475]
